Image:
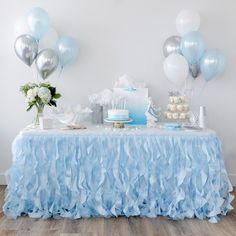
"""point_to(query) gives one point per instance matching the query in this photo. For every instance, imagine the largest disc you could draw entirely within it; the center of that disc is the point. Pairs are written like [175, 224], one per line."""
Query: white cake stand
[118, 123]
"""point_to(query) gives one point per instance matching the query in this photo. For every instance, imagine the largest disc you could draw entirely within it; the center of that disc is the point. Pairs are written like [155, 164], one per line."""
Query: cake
[177, 109]
[118, 114]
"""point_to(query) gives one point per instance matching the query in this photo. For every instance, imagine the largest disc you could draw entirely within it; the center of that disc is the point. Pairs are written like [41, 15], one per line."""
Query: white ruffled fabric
[149, 174]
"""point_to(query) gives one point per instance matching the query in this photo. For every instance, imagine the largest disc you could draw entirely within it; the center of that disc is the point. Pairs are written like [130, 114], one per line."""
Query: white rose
[44, 94]
[30, 95]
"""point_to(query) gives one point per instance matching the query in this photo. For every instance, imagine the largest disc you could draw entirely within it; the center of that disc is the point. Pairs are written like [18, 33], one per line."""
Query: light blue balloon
[38, 22]
[68, 50]
[193, 46]
[212, 64]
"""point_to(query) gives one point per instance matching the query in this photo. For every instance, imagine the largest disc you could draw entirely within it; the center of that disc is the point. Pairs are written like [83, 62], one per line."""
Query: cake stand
[118, 123]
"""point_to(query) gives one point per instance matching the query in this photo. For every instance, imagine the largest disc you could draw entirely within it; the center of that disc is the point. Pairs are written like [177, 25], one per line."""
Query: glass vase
[38, 115]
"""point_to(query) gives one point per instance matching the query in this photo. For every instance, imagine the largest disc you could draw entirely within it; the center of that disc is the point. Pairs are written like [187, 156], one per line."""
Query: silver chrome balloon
[26, 48]
[194, 70]
[171, 45]
[46, 62]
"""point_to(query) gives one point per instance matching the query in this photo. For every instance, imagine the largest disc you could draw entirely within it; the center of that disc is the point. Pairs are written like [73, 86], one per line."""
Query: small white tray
[118, 121]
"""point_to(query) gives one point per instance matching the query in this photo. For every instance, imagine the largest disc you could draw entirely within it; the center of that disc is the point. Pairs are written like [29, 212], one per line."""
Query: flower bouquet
[38, 96]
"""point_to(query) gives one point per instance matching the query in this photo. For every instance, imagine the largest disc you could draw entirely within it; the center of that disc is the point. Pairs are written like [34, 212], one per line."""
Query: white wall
[117, 37]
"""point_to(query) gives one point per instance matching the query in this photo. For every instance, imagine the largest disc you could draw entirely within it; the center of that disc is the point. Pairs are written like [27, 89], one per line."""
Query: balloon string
[185, 84]
[193, 98]
[202, 89]
[32, 73]
[37, 77]
[59, 75]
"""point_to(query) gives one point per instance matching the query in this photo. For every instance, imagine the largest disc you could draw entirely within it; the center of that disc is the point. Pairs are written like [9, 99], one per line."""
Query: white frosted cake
[118, 114]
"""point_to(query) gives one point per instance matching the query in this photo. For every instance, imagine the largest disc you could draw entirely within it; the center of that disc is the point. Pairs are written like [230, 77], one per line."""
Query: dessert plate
[118, 121]
[171, 126]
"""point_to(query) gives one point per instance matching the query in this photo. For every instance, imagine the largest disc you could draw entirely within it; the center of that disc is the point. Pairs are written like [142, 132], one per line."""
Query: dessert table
[108, 172]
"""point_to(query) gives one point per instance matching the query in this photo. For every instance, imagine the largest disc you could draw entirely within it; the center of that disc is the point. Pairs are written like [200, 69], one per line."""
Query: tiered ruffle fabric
[118, 174]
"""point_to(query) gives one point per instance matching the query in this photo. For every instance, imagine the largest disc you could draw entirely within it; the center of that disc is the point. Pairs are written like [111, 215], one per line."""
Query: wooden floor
[160, 226]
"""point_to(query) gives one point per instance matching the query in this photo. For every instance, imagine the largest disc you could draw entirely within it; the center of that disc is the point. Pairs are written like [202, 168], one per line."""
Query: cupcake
[172, 107]
[185, 107]
[171, 99]
[175, 116]
[180, 107]
[176, 100]
[182, 98]
[183, 116]
[169, 115]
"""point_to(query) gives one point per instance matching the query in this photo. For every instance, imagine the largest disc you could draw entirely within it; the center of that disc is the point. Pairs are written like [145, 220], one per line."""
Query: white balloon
[49, 40]
[21, 26]
[187, 21]
[176, 68]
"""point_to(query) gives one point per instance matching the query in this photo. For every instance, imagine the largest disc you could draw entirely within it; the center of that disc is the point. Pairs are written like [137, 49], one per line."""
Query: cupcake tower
[177, 109]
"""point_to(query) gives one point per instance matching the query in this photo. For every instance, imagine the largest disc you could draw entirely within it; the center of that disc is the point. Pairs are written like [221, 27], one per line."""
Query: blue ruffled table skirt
[78, 174]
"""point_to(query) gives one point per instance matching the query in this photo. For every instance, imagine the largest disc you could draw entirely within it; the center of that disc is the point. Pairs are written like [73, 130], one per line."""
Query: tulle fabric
[117, 174]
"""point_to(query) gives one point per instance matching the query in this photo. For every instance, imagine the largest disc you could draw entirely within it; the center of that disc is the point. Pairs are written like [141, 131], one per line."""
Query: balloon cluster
[38, 33]
[188, 54]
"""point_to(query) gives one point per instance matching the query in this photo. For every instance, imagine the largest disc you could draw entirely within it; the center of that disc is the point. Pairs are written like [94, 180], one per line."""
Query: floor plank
[133, 226]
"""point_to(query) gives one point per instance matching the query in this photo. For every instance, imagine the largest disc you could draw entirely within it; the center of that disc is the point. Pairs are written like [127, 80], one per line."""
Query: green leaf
[46, 85]
[52, 103]
[24, 89]
[53, 91]
[57, 95]
[30, 107]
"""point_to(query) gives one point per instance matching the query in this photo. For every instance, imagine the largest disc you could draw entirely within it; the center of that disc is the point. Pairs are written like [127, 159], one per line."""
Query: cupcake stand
[118, 123]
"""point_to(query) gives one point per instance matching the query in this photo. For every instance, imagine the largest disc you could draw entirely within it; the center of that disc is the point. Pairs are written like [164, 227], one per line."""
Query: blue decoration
[107, 174]
[212, 64]
[38, 22]
[171, 126]
[193, 46]
[68, 50]
[137, 113]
